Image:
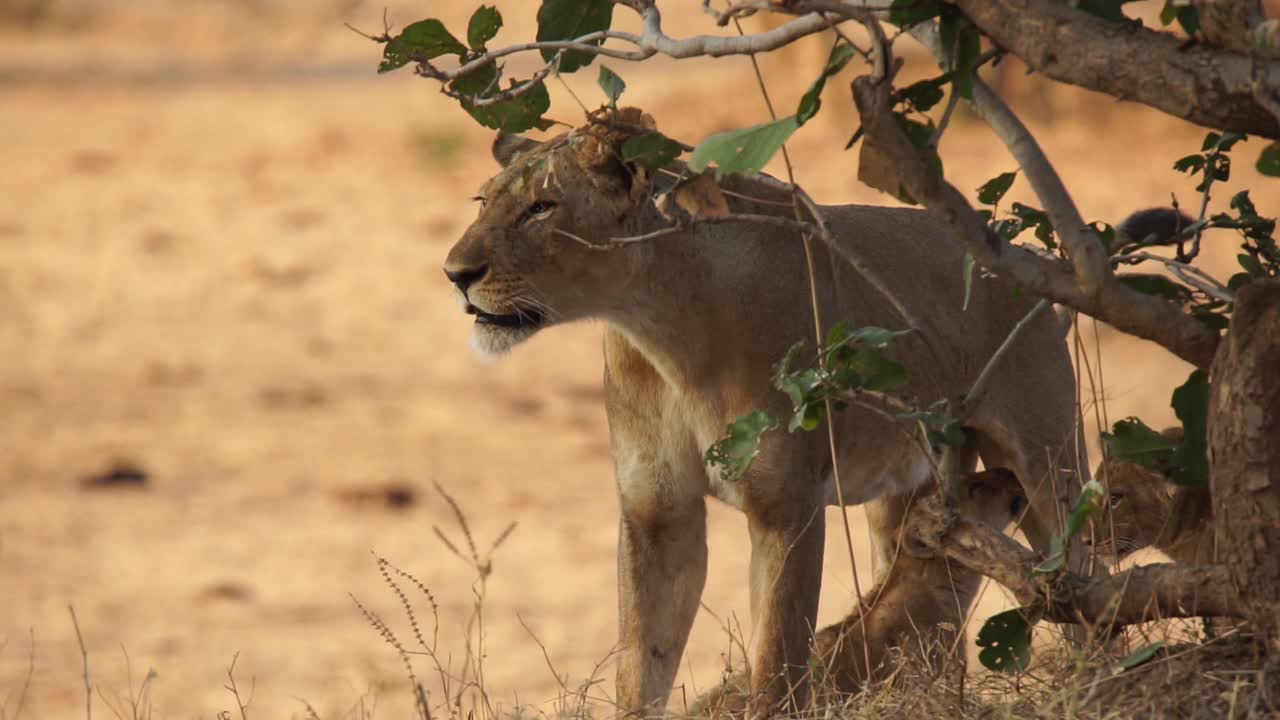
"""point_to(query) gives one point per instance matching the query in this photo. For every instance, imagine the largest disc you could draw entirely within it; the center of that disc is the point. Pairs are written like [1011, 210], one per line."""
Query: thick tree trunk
[1244, 455]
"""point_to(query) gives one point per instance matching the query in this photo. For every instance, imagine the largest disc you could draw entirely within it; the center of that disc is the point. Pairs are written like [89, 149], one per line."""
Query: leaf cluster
[852, 360]
[1183, 461]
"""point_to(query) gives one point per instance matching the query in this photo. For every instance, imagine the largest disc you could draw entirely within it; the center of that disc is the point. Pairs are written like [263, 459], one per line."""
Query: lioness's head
[535, 256]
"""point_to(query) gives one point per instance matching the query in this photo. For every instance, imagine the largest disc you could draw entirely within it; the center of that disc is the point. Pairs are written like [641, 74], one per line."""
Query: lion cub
[1146, 510]
[916, 609]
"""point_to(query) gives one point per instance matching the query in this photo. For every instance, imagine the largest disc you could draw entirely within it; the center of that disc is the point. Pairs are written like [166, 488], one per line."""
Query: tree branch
[1205, 85]
[1128, 310]
[1134, 596]
[1078, 240]
[655, 40]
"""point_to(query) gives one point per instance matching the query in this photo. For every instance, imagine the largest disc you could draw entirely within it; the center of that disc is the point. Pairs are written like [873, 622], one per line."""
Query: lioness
[694, 322]
[915, 610]
[1144, 509]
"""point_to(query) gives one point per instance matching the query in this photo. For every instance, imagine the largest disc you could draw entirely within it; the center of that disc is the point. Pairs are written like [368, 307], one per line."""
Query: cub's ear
[507, 146]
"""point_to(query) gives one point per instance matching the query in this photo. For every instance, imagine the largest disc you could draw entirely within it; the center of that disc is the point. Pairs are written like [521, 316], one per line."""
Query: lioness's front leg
[662, 565]
[786, 577]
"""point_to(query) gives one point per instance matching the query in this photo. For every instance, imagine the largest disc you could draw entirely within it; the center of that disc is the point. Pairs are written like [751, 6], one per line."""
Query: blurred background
[230, 366]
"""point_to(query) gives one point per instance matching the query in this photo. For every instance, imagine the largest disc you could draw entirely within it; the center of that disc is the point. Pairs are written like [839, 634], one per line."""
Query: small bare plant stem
[26, 682]
[807, 241]
[84, 659]
[231, 686]
[973, 398]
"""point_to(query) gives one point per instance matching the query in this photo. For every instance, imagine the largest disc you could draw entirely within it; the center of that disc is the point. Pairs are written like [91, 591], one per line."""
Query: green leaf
[1228, 141]
[812, 100]
[743, 151]
[941, 429]
[1157, 285]
[920, 134]
[1241, 203]
[1191, 164]
[876, 371]
[1269, 160]
[968, 49]
[924, 94]
[1191, 404]
[994, 189]
[612, 85]
[967, 269]
[1005, 639]
[563, 20]
[740, 445]
[803, 387]
[484, 25]
[423, 40]
[1141, 655]
[1089, 502]
[905, 13]
[651, 151]
[1186, 16]
[513, 115]
[1130, 440]
[1251, 265]
[1032, 217]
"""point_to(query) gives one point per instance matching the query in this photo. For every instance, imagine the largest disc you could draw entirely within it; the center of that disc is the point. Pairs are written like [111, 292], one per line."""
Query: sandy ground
[220, 240]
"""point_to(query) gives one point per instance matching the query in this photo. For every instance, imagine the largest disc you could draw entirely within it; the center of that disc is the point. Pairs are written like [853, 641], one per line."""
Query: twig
[973, 398]
[806, 241]
[619, 242]
[1188, 274]
[26, 682]
[84, 659]
[845, 252]
[243, 705]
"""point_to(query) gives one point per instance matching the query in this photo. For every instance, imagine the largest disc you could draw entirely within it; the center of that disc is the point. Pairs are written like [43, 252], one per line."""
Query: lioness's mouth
[524, 319]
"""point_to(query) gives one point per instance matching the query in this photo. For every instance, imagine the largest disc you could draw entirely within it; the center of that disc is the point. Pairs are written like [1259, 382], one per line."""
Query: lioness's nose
[466, 277]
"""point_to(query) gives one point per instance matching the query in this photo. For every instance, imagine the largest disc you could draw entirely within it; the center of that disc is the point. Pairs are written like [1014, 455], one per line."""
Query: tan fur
[694, 323]
[1144, 509]
[914, 613]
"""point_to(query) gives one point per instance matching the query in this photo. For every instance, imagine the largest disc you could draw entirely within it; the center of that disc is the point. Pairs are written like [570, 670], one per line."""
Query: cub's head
[993, 497]
[537, 254]
[1139, 510]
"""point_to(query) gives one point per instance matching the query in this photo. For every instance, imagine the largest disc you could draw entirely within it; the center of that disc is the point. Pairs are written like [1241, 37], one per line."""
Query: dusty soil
[230, 367]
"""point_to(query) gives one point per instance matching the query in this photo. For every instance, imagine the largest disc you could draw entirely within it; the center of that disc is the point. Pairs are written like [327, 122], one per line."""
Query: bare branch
[620, 242]
[84, 660]
[973, 398]
[1189, 274]
[654, 39]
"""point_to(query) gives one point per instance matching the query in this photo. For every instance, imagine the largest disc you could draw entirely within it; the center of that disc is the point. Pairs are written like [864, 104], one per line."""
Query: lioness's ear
[507, 146]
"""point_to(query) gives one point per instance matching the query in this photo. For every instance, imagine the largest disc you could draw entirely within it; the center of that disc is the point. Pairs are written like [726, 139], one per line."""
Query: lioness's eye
[537, 208]
[1115, 499]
